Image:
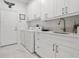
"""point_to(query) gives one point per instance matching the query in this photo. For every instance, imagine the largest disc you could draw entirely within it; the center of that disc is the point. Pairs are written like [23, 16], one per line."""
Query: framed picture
[22, 16]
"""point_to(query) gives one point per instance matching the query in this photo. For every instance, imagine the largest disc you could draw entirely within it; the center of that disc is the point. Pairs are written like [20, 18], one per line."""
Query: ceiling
[22, 1]
[25, 1]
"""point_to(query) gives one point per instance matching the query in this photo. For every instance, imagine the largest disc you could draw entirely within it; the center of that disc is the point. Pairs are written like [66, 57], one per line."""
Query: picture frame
[22, 16]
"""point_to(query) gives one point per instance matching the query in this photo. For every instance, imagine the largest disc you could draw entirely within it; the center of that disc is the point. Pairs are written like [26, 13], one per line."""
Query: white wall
[53, 25]
[71, 22]
[19, 8]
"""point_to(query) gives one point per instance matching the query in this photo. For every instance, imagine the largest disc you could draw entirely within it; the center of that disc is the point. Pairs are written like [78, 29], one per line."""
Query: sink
[61, 32]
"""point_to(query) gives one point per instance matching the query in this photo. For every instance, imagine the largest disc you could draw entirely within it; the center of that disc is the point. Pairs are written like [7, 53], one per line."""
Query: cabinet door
[58, 7]
[66, 52]
[44, 46]
[0, 27]
[22, 37]
[47, 9]
[29, 41]
[72, 5]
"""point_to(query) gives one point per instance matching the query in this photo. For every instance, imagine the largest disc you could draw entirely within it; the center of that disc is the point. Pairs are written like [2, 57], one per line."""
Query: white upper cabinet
[63, 7]
[46, 9]
[72, 5]
[52, 8]
[58, 7]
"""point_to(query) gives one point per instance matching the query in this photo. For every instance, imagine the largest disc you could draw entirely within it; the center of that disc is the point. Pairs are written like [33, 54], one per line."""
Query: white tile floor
[15, 51]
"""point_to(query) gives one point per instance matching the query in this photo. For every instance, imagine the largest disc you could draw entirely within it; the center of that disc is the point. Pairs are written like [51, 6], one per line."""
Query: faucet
[64, 29]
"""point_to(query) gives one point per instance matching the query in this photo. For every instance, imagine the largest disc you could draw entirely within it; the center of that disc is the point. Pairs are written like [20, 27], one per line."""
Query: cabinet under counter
[53, 45]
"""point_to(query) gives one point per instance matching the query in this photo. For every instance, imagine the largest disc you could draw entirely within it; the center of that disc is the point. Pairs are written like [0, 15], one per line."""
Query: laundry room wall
[19, 8]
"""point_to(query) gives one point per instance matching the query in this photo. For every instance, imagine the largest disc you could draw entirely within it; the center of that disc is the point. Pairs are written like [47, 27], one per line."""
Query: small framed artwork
[22, 16]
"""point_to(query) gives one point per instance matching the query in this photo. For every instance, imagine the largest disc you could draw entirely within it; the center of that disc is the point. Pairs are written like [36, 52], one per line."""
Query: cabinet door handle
[56, 48]
[66, 9]
[38, 39]
[62, 11]
[15, 28]
[53, 46]
[38, 47]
